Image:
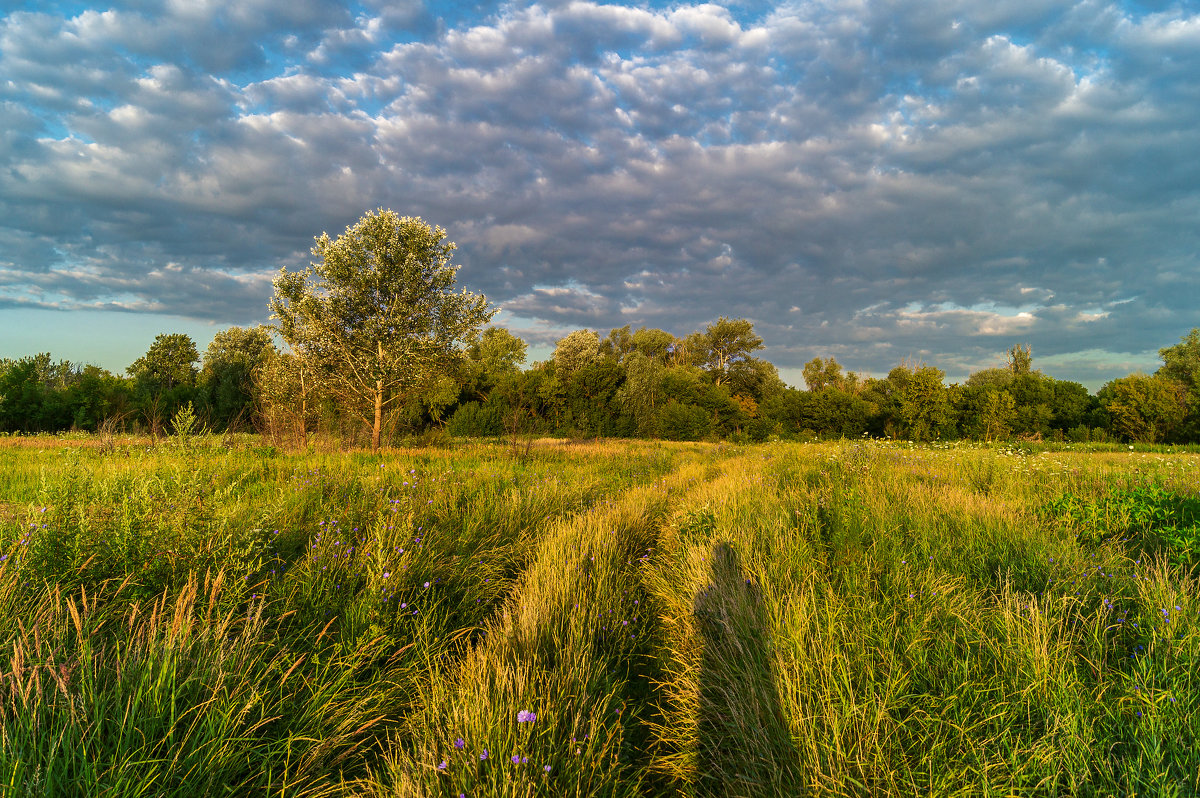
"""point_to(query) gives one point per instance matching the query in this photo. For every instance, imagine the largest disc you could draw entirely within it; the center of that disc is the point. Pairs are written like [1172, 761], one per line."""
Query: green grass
[853, 618]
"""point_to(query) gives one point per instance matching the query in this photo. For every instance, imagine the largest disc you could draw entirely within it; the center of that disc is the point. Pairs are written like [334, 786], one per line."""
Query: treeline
[631, 383]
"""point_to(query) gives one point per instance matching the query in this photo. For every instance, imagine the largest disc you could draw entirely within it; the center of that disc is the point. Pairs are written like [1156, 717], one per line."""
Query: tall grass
[611, 619]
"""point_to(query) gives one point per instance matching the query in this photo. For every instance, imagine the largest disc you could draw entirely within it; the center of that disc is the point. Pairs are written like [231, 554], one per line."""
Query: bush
[679, 422]
[474, 420]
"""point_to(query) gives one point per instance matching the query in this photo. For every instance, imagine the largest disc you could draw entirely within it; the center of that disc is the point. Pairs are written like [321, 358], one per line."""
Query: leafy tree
[165, 378]
[642, 393]
[1020, 359]
[575, 351]
[1181, 363]
[491, 357]
[1145, 409]
[924, 404]
[94, 396]
[1033, 403]
[474, 419]
[653, 343]
[754, 380]
[995, 379]
[498, 351]
[624, 343]
[287, 398]
[591, 397]
[723, 343]
[226, 377]
[1071, 404]
[22, 393]
[820, 374]
[619, 344]
[828, 413]
[997, 414]
[377, 317]
[169, 363]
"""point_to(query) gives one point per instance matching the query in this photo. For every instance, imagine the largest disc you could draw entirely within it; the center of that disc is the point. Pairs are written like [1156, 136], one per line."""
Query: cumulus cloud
[871, 181]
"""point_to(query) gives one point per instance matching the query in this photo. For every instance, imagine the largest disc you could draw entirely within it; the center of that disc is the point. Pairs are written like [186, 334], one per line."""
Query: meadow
[210, 616]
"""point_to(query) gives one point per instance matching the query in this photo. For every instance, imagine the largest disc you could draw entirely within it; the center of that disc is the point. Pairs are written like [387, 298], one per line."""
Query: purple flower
[442, 765]
[525, 716]
[460, 744]
[547, 768]
[484, 755]
[516, 758]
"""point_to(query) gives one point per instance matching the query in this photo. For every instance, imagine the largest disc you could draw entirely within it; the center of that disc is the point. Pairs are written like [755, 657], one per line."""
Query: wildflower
[483, 755]
[516, 758]
[460, 743]
[442, 765]
[525, 716]
[547, 768]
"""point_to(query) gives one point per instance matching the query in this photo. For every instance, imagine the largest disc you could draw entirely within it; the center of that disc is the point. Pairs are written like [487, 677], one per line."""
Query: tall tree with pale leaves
[377, 315]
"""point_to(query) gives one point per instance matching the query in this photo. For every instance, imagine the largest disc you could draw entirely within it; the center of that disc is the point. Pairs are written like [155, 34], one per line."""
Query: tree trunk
[378, 416]
[303, 410]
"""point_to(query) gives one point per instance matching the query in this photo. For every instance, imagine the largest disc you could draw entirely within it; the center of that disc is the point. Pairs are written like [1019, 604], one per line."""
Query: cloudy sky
[917, 180]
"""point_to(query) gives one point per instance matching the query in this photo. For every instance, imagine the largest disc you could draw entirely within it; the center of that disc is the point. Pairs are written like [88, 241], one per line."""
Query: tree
[723, 343]
[642, 393]
[575, 351]
[286, 398]
[377, 316]
[1145, 409]
[226, 375]
[924, 410]
[618, 345]
[820, 374]
[169, 363]
[165, 377]
[653, 343]
[1020, 359]
[996, 415]
[498, 351]
[495, 354]
[1181, 363]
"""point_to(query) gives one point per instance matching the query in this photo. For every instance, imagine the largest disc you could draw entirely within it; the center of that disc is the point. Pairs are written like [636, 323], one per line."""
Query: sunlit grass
[623, 618]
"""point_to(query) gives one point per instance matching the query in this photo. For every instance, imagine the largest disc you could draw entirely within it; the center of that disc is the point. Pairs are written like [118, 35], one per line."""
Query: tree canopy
[377, 315]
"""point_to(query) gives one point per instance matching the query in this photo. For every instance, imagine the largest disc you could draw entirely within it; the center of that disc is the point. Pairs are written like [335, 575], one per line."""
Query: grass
[600, 619]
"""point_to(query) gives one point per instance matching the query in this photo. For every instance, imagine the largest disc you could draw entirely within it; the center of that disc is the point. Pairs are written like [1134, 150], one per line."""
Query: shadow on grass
[745, 748]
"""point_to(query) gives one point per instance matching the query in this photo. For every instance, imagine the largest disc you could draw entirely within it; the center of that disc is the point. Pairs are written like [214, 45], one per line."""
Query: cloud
[863, 180]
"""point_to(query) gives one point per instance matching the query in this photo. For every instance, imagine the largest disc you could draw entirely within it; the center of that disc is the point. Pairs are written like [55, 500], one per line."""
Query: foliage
[287, 397]
[377, 319]
[1145, 409]
[724, 343]
[827, 373]
[922, 406]
[1150, 516]
[168, 364]
[164, 379]
[1181, 363]
[226, 375]
[497, 351]
[576, 351]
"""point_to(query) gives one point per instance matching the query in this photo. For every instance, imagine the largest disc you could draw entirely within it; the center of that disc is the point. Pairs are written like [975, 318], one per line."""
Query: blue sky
[874, 181]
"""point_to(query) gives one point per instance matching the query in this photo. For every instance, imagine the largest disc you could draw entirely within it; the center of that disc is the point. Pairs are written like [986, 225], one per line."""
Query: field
[212, 617]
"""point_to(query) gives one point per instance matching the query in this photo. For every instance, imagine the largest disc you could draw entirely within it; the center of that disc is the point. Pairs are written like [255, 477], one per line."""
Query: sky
[888, 182]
